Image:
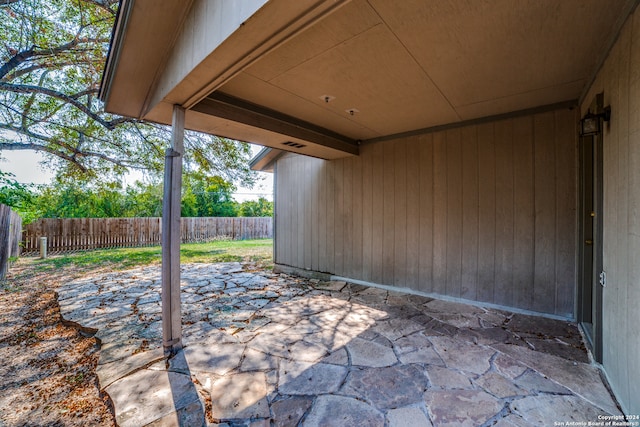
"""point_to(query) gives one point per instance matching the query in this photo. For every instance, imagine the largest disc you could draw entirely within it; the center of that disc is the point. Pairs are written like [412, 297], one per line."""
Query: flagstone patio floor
[265, 349]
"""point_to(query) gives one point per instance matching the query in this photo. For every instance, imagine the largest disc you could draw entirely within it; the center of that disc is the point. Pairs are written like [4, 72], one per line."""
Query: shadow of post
[189, 410]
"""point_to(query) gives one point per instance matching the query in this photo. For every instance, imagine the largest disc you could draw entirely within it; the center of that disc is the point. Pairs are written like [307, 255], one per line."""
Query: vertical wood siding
[619, 79]
[484, 212]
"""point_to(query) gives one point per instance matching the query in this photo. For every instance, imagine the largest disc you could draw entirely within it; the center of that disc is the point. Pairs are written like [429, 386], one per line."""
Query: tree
[261, 207]
[208, 196]
[20, 197]
[52, 56]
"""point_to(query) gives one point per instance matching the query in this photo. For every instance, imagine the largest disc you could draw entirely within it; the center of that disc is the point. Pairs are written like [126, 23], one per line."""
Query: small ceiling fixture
[327, 98]
[591, 124]
[352, 111]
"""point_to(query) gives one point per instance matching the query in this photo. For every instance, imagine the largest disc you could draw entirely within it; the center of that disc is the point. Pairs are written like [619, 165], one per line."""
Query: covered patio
[446, 143]
[267, 349]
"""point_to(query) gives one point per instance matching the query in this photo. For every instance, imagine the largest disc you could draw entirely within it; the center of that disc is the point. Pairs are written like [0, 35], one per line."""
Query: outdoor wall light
[591, 124]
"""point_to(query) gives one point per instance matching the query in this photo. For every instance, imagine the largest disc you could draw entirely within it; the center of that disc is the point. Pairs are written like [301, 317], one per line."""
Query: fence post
[43, 247]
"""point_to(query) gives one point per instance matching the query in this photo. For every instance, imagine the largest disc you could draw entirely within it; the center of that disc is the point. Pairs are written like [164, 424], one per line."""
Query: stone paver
[240, 396]
[343, 411]
[461, 408]
[265, 349]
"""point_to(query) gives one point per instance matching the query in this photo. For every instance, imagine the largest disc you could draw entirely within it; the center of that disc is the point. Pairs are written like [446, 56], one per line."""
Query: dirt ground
[47, 369]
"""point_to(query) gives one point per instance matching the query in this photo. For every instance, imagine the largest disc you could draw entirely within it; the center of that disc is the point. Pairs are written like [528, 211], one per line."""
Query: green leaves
[202, 196]
[52, 55]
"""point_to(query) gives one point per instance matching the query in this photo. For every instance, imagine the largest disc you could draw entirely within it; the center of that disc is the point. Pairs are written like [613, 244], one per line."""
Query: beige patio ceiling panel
[375, 75]
[478, 51]
[516, 102]
[246, 86]
[352, 19]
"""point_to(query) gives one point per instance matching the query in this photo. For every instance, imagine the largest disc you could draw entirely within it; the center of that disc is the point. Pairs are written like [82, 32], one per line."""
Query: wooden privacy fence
[10, 231]
[74, 234]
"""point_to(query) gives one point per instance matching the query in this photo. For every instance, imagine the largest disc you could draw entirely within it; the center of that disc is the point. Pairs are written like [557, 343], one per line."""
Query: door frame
[590, 255]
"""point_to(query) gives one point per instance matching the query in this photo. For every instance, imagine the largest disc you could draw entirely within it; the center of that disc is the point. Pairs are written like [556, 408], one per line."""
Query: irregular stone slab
[302, 378]
[257, 361]
[288, 412]
[110, 372]
[545, 409]
[463, 356]
[493, 318]
[513, 420]
[582, 379]
[146, 396]
[345, 320]
[435, 327]
[458, 320]
[371, 354]
[486, 336]
[240, 396]
[417, 348]
[447, 378]
[332, 340]
[273, 344]
[461, 408]
[389, 387]
[508, 366]
[339, 411]
[395, 328]
[216, 359]
[338, 357]
[406, 417]
[307, 351]
[190, 415]
[499, 386]
[557, 347]
[113, 351]
[536, 383]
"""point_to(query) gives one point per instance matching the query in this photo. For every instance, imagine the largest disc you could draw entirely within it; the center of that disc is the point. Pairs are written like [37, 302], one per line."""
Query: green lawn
[259, 251]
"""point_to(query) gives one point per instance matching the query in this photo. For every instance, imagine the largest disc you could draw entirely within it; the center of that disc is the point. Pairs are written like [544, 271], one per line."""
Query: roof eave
[264, 160]
[115, 45]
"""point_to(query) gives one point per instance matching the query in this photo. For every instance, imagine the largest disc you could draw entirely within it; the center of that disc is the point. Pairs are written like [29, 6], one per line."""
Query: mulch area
[47, 369]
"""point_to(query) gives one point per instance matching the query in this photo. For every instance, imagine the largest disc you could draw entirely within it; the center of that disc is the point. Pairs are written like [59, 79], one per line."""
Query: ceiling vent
[293, 144]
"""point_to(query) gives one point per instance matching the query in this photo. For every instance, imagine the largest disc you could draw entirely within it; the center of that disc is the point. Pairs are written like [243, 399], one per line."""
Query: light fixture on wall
[591, 124]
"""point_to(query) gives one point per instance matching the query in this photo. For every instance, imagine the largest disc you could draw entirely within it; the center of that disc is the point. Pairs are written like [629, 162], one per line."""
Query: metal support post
[171, 310]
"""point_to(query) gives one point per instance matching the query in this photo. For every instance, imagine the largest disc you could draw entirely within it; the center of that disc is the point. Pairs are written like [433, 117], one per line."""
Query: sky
[28, 169]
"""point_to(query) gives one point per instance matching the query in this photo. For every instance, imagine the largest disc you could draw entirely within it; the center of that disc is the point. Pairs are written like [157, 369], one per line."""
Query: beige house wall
[619, 79]
[484, 212]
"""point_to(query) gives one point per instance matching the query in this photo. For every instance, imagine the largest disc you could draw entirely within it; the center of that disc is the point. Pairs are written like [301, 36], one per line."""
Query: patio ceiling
[323, 75]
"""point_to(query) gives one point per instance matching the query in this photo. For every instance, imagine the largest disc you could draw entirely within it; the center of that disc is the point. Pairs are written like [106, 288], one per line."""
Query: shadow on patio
[265, 349]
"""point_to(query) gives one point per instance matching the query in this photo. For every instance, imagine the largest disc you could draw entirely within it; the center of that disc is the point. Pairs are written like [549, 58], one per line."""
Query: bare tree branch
[12, 146]
[16, 88]
[27, 70]
[103, 4]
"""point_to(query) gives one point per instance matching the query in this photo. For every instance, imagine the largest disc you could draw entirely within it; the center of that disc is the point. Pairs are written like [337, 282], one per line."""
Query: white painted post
[43, 247]
[171, 313]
